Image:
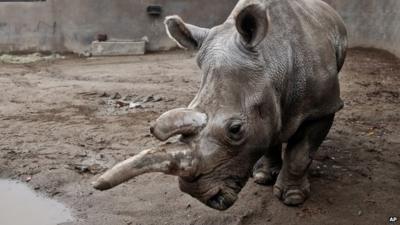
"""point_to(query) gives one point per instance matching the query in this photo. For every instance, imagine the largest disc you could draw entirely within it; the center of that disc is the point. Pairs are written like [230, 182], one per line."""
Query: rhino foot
[267, 168]
[266, 176]
[292, 195]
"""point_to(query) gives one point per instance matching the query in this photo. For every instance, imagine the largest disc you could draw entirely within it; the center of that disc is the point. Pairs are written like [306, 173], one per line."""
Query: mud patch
[20, 205]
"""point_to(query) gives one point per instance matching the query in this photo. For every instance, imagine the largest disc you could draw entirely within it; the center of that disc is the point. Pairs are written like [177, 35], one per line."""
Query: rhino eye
[235, 128]
[235, 132]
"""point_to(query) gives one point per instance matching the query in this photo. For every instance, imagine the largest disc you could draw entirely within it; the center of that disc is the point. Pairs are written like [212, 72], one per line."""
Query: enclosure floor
[58, 132]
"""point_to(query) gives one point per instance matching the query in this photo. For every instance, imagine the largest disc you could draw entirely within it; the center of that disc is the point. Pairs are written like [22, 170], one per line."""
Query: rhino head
[229, 124]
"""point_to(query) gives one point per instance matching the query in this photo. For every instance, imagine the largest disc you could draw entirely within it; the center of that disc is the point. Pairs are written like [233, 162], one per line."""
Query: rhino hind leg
[267, 168]
[292, 185]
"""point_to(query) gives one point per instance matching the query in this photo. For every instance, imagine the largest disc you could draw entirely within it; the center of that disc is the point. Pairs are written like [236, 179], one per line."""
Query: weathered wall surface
[71, 25]
[371, 23]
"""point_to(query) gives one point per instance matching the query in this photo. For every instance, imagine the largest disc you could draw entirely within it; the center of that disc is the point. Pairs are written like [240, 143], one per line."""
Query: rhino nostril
[189, 179]
[152, 129]
[217, 202]
[221, 201]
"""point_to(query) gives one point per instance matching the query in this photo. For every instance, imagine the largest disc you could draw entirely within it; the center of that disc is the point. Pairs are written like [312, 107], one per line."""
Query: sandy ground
[60, 127]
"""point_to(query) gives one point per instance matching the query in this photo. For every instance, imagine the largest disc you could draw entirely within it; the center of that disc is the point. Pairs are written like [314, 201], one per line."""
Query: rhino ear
[185, 35]
[252, 24]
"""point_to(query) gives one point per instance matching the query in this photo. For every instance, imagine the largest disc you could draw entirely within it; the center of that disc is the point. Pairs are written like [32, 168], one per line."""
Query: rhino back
[304, 51]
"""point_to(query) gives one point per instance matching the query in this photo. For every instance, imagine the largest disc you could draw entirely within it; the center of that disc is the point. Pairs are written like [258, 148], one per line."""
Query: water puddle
[20, 205]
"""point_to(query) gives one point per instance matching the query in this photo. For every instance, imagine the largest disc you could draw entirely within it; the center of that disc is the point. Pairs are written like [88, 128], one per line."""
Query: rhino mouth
[227, 195]
[215, 193]
[221, 201]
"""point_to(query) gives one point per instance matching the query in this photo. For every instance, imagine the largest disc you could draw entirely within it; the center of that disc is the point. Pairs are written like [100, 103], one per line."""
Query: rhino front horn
[178, 121]
[173, 159]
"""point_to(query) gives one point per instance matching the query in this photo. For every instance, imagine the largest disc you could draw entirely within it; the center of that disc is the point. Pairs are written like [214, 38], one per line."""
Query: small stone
[54, 193]
[128, 222]
[158, 99]
[82, 168]
[128, 98]
[359, 213]
[148, 99]
[104, 95]
[135, 105]
[121, 104]
[116, 96]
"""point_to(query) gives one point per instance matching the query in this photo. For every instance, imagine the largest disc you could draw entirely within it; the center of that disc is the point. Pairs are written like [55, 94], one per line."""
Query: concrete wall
[371, 23]
[71, 25]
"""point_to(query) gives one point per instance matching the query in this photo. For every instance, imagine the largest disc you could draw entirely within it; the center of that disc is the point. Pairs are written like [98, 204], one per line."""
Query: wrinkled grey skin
[270, 86]
[270, 76]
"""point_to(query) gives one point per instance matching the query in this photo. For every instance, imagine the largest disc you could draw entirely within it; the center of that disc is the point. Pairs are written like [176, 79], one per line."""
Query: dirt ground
[62, 123]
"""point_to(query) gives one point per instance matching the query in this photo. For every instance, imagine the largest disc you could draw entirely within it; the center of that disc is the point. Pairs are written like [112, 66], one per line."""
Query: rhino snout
[220, 195]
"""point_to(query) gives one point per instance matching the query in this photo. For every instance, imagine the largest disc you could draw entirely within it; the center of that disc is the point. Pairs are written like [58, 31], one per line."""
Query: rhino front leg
[292, 185]
[267, 167]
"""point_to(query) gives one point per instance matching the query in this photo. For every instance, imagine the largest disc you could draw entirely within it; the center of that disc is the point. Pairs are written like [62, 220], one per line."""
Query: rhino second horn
[178, 121]
[173, 159]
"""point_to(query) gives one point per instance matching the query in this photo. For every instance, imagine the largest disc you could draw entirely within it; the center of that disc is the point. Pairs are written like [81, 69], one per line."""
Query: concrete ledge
[114, 48]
